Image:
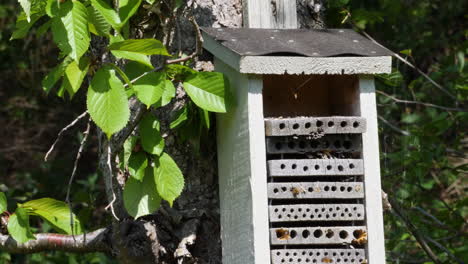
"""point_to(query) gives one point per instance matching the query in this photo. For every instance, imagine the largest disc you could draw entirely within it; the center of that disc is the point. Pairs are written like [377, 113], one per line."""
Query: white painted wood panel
[242, 172]
[286, 14]
[372, 185]
[257, 14]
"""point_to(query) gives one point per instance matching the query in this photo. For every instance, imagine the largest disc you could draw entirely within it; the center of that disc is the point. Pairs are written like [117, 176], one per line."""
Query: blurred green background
[424, 156]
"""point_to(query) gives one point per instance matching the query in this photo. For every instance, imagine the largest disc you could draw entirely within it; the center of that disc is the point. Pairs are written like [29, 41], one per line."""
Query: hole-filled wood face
[310, 95]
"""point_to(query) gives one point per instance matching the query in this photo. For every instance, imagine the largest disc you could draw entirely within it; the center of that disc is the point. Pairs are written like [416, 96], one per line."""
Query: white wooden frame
[242, 172]
[372, 184]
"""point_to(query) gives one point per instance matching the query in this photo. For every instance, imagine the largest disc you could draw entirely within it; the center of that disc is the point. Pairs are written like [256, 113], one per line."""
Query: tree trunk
[189, 232]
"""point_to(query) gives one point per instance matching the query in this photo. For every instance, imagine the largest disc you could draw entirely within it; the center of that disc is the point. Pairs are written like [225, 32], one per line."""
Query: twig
[198, 50]
[422, 103]
[75, 166]
[406, 62]
[198, 44]
[437, 244]
[413, 230]
[114, 198]
[96, 241]
[60, 134]
[403, 132]
[433, 218]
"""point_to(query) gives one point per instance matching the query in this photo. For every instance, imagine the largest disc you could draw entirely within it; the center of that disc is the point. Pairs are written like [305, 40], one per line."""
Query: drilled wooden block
[304, 144]
[318, 256]
[310, 167]
[312, 125]
[336, 235]
[316, 212]
[316, 190]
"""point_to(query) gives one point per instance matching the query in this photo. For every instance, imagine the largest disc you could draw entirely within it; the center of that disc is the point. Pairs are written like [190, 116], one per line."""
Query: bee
[361, 238]
[327, 260]
[282, 234]
[297, 190]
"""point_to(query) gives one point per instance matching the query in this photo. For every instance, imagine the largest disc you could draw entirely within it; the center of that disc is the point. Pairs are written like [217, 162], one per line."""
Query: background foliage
[424, 160]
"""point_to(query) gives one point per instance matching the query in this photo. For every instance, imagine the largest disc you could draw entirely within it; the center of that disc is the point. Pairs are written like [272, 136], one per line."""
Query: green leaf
[70, 29]
[107, 102]
[128, 147]
[98, 23]
[406, 52]
[3, 203]
[151, 139]
[54, 75]
[122, 74]
[141, 58]
[141, 198]
[43, 28]
[52, 8]
[142, 46]
[178, 72]
[204, 117]
[410, 118]
[169, 178]
[181, 117]
[74, 75]
[23, 25]
[18, 226]
[149, 88]
[208, 90]
[127, 9]
[26, 5]
[137, 165]
[57, 213]
[108, 13]
[168, 94]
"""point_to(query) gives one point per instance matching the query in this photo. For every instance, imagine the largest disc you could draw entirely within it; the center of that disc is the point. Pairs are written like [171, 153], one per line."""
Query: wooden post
[373, 191]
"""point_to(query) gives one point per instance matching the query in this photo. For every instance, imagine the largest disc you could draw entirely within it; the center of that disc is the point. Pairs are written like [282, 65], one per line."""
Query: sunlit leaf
[109, 14]
[107, 102]
[74, 75]
[149, 88]
[26, 5]
[57, 213]
[127, 9]
[18, 226]
[151, 139]
[133, 56]
[70, 29]
[141, 198]
[169, 178]
[97, 22]
[142, 46]
[208, 90]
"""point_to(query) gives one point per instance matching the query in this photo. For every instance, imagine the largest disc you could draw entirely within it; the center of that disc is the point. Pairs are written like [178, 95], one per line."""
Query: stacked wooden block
[316, 189]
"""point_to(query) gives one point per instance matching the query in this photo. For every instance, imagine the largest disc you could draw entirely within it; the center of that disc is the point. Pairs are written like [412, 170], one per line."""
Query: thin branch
[414, 230]
[437, 244]
[60, 134]
[403, 132]
[95, 241]
[75, 166]
[406, 62]
[198, 44]
[422, 103]
[433, 218]
[114, 198]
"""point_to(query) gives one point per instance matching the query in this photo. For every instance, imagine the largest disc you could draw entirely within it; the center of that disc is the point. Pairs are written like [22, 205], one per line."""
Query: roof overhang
[234, 52]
